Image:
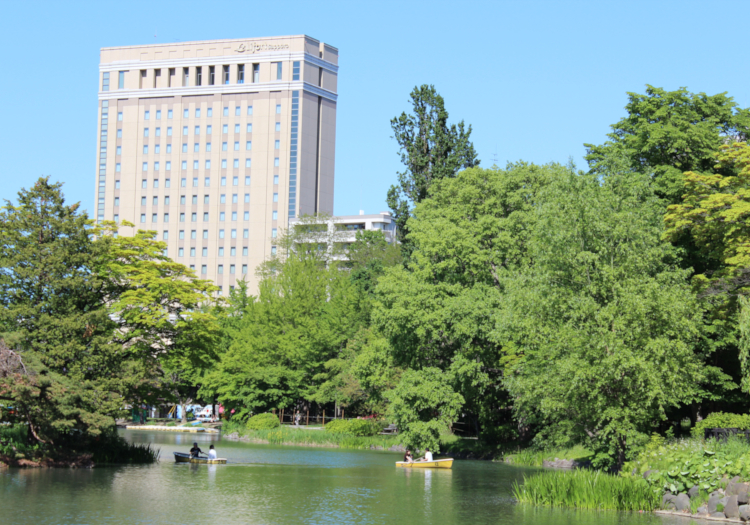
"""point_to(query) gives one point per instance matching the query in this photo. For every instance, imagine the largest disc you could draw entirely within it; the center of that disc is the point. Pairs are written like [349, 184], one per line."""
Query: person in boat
[427, 455]
[408, 457]
[195, 451]
[212, 452]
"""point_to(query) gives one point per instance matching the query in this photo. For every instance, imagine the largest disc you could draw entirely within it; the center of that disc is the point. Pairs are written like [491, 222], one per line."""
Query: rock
[723, 501]
[731, 509]
[667, 501]
[743, 497]
[682, 502]
[717, 515]
[693, 492]
[735, 479]
[702, 511]
[713, 501]
[744, 512]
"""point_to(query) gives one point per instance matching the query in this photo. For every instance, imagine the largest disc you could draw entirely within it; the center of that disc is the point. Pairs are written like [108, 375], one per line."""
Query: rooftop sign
[253, 47]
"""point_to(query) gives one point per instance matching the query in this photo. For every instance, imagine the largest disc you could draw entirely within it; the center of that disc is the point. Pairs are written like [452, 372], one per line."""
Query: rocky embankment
[730, 503]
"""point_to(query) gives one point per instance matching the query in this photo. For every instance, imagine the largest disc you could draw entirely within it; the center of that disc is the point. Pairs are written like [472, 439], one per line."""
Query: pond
[264, 484]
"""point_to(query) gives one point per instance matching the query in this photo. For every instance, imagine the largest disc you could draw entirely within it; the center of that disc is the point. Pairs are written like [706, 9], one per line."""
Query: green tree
[304, 314]
[431, 150]
[440, 311]
[603, 319]
[66, 378]
[670, 132]
[715, 213]
[423, 405]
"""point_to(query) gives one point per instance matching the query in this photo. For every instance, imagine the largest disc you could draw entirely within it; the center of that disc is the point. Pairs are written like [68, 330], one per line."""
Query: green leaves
[603, 314]
[423, 406]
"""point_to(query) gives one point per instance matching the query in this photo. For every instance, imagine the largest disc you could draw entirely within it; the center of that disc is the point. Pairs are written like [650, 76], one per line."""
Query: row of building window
[198, 79]
[186, 113]
[196, 165]
[209, 130]
[184, 184]
[222, 233]
[194, 217]
[194, 199]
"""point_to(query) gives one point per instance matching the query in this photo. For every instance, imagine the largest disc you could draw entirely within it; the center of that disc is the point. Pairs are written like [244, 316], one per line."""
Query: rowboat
[181, 457]
[438, 463]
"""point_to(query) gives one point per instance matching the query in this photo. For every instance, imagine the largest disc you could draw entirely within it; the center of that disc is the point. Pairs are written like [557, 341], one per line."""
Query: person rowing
[427, 455]
[195, 451]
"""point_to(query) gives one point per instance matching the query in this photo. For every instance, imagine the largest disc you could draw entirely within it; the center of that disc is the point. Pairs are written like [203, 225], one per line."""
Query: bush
[263, 422]
[721, 420]
[355, 427]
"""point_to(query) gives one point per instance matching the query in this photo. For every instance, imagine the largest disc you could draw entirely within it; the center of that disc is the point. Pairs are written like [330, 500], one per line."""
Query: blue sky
[535, 79]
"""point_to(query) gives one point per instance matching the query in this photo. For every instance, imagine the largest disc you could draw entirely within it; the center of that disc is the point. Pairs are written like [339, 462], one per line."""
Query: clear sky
[535, 79]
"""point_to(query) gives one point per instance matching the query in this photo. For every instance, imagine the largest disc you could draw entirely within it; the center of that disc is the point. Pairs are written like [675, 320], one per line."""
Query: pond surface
[264, 484]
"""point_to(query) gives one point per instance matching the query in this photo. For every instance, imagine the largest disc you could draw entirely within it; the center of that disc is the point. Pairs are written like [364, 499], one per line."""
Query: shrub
[721, 420]
[337, 426]
[355, 427]
[263, 422]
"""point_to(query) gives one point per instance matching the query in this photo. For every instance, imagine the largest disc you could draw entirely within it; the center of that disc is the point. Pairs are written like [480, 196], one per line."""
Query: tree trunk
[184, 412]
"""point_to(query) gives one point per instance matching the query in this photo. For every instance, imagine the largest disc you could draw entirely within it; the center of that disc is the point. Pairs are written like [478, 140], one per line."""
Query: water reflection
[279, 485]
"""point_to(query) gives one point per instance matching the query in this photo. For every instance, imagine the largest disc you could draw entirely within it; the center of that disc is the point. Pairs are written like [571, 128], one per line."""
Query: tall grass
[534, 458]
[585, 489]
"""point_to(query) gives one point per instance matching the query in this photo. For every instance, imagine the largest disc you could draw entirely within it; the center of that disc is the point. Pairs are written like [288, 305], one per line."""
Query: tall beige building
[216, 145]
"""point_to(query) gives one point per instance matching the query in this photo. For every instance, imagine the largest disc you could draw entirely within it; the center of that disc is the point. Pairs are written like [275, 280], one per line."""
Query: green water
[264, 484]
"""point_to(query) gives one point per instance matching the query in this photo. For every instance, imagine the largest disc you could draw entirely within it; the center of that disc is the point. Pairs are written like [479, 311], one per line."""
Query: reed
[586, 489]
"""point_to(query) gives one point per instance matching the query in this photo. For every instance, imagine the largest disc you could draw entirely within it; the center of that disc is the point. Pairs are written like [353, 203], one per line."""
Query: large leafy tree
[431, 150]
[439, 311]
[670, 132]
[302, 318]
[604, 321]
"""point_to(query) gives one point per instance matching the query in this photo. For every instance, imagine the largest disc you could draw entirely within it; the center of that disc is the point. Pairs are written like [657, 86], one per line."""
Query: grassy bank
[535, 458]
[585, 489]
[304, 437]
[17, 450]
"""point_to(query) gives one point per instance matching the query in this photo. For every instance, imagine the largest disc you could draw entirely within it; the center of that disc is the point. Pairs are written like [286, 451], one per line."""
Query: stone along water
[265, 484]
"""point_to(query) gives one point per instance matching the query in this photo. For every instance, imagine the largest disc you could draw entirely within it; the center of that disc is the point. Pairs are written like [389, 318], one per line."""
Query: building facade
[216, 145]
[337, 233]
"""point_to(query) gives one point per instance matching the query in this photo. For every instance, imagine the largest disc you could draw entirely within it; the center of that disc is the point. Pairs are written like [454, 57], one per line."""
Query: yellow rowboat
[180, 457]
[438, 463]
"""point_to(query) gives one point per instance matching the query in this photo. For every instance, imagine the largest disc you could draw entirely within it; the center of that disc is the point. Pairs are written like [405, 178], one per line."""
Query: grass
[534, 458]
[586, 489]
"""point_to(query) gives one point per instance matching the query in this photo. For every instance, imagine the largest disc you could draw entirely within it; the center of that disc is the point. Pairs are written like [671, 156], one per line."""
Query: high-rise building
[216, 145]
